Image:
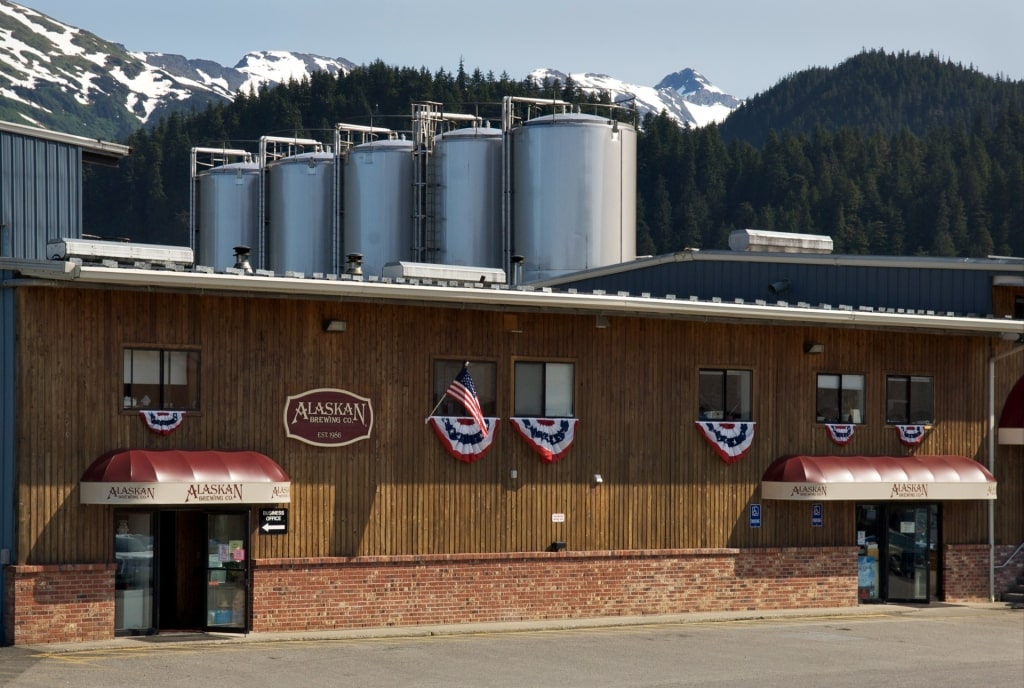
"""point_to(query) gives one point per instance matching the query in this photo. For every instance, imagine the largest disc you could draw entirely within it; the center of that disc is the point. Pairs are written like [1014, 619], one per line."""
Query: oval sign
[328, 417]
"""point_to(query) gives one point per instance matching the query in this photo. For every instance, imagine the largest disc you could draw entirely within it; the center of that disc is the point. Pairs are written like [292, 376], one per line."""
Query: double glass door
[899, 545]
[181, 570]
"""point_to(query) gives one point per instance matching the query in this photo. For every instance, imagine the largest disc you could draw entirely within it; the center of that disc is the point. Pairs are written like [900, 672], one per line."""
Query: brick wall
[62, 603]
[317, 594]
[965, 573]
[1010, 572]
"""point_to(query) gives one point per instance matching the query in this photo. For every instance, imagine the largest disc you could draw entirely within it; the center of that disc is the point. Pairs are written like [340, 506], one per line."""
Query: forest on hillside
[890, 154]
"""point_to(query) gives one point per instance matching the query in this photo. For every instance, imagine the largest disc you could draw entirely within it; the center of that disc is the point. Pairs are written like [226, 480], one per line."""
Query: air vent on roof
[778, 242]
[97, 250]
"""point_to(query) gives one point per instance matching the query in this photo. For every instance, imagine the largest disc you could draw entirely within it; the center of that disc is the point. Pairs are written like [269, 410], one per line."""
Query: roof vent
[778, 242]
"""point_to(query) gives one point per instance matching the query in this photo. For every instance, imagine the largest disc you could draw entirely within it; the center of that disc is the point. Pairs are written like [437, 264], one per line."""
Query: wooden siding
[399, 492]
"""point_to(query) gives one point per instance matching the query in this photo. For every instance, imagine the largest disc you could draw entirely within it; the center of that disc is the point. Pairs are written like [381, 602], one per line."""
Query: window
[725, 395]
[840, 398]
[909, 399]
[161, 380]
[484, 376]
[544, 390]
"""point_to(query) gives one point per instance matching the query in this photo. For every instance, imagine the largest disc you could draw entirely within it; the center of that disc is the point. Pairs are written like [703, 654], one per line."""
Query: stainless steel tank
[229, 197]
[467, 172]
[574, 194]
[378, 203]
[300, 211]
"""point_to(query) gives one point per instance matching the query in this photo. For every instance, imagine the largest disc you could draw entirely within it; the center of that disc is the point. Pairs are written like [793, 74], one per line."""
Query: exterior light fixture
[602, 322]
[814, 348]
[598, 479]
[335, 325]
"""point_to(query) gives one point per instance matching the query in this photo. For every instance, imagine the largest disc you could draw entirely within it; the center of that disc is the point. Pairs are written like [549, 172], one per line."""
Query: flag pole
[441, 400]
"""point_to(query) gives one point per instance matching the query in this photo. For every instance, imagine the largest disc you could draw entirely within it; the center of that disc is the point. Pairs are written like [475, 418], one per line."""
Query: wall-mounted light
[335, 325]
[602, 322]
[598, 479]
[814, 348]
[778, 287]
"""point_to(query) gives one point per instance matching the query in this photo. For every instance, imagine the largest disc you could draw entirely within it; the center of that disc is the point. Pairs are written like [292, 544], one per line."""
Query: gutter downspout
[992, 465]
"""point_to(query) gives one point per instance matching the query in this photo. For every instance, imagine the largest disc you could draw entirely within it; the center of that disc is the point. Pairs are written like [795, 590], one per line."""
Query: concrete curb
[198, 639]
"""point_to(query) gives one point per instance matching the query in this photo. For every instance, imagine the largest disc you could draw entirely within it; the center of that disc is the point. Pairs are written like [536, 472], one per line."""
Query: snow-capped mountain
[687, 96]
[56, 76]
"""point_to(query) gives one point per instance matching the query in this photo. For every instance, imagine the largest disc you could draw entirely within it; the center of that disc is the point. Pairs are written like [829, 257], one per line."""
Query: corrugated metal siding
[958, 291]
[7, 435]
[40, 194]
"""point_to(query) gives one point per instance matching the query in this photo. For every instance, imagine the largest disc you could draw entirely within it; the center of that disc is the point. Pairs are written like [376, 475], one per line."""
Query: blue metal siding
[8, 516]
[40, 194]
[961, 291]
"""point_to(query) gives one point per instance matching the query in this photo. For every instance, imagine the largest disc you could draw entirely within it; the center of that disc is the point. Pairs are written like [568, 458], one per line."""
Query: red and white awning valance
[169, 476]
[877, 478]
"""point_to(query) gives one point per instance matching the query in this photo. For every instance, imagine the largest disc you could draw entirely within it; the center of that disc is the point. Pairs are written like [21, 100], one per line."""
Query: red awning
[172, 476]
[877, 478]
[1011, 422]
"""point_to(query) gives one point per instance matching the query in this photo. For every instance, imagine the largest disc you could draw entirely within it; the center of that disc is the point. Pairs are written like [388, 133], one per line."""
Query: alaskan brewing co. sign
[328, 417]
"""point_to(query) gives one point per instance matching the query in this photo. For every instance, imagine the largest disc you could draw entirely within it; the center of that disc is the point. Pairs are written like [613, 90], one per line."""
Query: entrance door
[227, 572]
[899, 546]
[907, 553]
[181, 570]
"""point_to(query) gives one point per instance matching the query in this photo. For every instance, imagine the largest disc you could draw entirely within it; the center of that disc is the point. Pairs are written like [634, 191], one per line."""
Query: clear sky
[741, 46]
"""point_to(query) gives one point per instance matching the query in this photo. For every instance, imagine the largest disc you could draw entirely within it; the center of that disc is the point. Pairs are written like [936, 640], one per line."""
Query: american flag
[462, 390]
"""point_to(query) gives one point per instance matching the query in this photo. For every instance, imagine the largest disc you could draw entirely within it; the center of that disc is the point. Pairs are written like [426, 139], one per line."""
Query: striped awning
[877, 478]
[174, 476]
[1011, 421]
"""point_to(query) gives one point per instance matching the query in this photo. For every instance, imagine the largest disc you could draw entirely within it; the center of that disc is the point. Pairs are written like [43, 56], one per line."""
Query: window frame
[908, 402]
[546, 400]
[712, 414]
[165, 387]
[861, 416]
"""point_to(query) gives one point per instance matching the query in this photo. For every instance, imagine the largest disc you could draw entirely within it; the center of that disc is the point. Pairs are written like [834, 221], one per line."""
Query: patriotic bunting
[840, 434]
[463, 437]
[549, 437]
[162, 422]
[911, 435]
[729, 440]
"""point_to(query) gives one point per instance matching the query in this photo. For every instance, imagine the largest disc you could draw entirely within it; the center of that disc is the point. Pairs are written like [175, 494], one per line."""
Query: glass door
[227, 572]
[907, 552]
[133, 575]
[899, 552]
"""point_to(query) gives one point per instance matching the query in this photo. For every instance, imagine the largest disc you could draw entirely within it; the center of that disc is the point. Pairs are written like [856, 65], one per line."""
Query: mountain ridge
[57, 76]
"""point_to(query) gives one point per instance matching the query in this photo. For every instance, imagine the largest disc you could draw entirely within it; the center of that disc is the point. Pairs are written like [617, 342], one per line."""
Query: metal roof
[93, 150]
[498, 297]
[958, 285]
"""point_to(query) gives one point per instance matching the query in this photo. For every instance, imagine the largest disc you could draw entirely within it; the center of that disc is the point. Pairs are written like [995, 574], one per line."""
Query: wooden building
[201, 450]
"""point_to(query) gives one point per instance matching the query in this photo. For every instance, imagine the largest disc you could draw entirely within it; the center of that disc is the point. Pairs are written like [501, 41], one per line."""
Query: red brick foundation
[62, 603]
[360, 592]
[965, 573]
[1010, 572]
